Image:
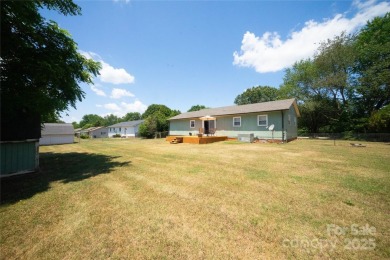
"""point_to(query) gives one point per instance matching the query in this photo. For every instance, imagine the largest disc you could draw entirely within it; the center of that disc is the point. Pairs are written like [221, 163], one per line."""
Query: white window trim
[240, 121]
[266, 120]
[191, 122]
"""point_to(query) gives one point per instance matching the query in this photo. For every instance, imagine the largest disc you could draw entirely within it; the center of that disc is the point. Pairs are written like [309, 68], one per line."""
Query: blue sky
[183, 53]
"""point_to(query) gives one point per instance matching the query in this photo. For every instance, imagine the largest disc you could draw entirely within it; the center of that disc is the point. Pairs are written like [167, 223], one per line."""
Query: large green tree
[256, 95]
[301, 82]
[334, 64]
[163, 109]
[156, 120]
[373, 65]
[41, 69]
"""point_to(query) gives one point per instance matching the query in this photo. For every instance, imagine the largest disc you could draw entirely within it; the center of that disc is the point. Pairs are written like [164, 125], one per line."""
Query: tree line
[156, 119]
[345, 86]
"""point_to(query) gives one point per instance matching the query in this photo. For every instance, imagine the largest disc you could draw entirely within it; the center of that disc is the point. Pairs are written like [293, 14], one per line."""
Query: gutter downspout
[282, 125]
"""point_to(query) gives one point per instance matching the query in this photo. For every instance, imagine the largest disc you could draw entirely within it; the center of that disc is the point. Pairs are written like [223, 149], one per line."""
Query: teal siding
[289, 125]
[182, 127]
[19, 157]
[249, 125]
[224, 125]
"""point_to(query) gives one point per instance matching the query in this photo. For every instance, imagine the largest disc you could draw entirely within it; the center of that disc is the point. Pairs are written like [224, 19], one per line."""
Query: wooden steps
[176, 140]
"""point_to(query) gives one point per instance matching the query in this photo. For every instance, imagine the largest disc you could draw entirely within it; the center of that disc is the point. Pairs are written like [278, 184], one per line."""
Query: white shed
[53, 133]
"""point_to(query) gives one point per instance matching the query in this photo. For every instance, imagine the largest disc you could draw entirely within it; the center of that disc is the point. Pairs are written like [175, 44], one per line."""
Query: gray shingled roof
[87, 130]
[128, 124]
[243, 109]
[57, 129]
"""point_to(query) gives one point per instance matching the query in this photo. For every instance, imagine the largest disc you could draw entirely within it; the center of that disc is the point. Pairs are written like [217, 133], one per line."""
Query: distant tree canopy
[132, 116]
[75, 125]
[111, 119]
[196, 108]
[257, 94]
[41, 68]
[93, 120]
[152, 109]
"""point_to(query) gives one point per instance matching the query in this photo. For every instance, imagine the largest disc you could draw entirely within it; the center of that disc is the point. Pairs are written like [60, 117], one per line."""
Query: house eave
[227, 115]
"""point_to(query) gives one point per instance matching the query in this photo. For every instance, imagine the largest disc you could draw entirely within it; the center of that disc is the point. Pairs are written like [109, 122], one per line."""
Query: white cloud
[117, 93]
[112, 106]
[108, 73]
[98, 91]
[90, 55]
[126, 1]
[112, 75]
[137, 106]
[123, 108]
[269, 53]
[69, 119]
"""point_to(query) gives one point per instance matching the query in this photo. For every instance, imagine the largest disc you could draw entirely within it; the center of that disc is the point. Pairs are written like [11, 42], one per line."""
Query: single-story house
[53, 133]
[267, 120]
[93, 132]
[98, 132]
[125, 129]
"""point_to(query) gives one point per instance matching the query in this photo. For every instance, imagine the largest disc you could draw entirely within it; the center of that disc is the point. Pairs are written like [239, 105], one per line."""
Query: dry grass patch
[149, 199]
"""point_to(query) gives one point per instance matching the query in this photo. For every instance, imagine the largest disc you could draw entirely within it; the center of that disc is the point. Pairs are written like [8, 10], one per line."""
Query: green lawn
[150, 199]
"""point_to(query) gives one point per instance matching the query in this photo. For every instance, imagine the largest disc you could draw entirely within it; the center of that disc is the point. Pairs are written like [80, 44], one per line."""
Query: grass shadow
[54, 167]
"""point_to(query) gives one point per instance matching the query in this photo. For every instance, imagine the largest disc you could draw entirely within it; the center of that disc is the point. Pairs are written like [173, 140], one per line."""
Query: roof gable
[57, 129]
[242, 109]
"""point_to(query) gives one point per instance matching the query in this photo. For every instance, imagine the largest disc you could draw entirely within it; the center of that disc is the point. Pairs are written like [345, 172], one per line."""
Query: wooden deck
[197, 140]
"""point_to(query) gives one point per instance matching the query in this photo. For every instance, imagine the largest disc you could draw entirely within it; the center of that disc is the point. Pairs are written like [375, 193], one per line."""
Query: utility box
[248, 138]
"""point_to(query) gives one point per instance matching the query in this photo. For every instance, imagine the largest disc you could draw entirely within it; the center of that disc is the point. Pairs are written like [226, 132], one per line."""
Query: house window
[120, 129]
[236, 121]
[289, 119]
[192, 123]
[295, 120]
[262, 120]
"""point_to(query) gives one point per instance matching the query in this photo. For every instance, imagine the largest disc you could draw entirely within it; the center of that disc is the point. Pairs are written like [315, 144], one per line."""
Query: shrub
[116, 136]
